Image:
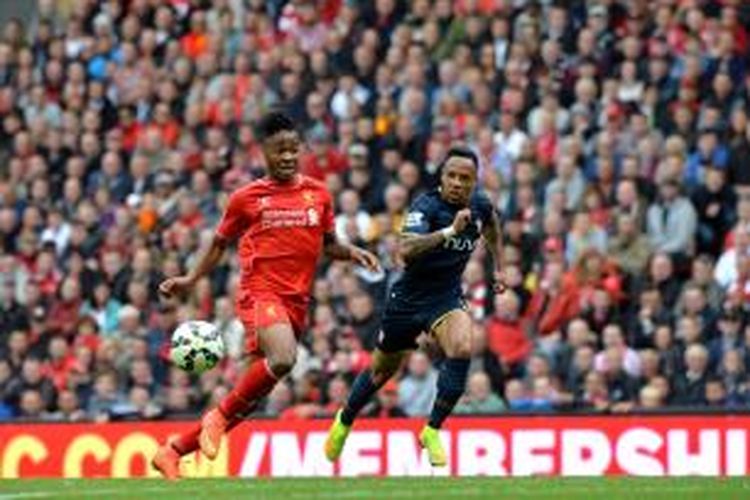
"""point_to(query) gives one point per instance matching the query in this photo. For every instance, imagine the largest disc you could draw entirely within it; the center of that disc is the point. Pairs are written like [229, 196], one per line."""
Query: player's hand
[178, 285]
[462, 219]
[365, 259]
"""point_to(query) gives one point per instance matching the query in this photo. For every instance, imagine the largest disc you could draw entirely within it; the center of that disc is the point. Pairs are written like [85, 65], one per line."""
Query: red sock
[188, 442]
[257, 381]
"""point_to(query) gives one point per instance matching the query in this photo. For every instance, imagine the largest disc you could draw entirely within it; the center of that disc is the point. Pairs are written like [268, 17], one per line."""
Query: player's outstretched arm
[492, 234]
[415, 244]
[208, 260]
[343, 251]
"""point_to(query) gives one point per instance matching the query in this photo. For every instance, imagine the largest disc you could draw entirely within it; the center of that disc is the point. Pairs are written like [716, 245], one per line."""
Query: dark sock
[362, 390]
[450, 386]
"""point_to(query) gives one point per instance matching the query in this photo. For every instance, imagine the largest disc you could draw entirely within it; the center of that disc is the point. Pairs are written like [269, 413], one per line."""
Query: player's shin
[254, 384]
[450, 386]
[367, 383]
[363, 388]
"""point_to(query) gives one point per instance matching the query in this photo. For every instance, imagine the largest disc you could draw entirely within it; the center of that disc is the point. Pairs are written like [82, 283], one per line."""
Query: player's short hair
[273, 123]
[460, 151]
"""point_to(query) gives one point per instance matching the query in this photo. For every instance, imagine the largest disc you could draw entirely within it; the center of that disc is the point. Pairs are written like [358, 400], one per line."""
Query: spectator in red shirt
[506, 336]
[323, 159]
[195, 43]
[59, 364]
[555, 302]
[63, 317]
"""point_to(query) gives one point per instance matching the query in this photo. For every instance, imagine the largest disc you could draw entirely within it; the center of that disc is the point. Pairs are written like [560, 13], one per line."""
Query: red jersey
[281, 228]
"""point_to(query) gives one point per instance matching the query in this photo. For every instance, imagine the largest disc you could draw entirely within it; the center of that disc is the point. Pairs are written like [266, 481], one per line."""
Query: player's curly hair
[461, 151]
[274, 122]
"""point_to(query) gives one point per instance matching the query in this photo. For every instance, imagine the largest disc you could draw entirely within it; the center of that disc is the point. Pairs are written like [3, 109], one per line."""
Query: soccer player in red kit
[283, 222]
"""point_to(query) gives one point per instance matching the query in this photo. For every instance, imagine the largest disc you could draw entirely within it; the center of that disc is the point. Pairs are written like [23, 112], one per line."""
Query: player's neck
[292, 181]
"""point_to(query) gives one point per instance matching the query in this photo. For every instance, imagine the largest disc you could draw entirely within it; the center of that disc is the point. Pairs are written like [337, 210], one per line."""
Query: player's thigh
[271, 334]
[453, 331]
[399, 329]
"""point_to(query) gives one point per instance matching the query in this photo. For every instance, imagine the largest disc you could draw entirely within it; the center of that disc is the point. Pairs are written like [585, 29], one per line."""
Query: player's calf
[366, 384]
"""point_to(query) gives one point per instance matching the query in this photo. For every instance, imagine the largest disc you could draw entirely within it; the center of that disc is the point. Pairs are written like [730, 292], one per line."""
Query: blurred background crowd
[613, 137]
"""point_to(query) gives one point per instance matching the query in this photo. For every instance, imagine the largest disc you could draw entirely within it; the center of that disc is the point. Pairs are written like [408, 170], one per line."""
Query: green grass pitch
[380, 489]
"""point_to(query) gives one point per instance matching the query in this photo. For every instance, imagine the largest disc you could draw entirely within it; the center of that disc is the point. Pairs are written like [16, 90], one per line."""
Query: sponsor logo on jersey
[459, 244]
[281, 217]
[313, 218]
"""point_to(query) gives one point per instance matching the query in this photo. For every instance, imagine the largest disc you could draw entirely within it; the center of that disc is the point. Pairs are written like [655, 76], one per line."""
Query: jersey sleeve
[234, 221]
[329, 226]
[417, 220]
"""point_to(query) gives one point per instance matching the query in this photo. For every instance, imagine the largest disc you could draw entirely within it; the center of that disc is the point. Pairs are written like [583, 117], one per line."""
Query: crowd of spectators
[613, 137]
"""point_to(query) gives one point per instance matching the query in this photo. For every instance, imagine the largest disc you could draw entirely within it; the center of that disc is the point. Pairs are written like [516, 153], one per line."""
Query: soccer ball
[196, 346]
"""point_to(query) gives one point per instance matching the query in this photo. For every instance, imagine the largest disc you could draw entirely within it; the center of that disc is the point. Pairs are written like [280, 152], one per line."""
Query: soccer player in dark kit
[440, 233]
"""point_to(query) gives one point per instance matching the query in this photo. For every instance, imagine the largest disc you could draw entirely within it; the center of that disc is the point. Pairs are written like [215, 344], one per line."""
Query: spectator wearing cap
[671, 221]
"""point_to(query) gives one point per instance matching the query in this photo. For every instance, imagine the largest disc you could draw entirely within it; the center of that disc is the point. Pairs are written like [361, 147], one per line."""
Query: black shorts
[405, 318]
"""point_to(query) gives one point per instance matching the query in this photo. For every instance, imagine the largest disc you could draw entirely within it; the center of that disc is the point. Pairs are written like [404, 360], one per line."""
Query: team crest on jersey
[308, 196]
[414, 219]
[265, 201]
[313, 218]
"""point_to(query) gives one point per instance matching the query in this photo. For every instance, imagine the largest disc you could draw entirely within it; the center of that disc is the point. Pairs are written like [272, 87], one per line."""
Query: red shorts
[261, 310]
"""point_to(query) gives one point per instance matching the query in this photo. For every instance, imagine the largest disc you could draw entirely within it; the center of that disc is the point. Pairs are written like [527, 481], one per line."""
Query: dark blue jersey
[437, 273]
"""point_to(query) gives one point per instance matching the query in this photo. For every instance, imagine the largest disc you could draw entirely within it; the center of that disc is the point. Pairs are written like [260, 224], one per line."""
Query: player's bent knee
[281, 367]
[283, 362]
[385, 365]
[459, 346]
